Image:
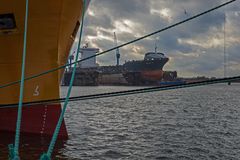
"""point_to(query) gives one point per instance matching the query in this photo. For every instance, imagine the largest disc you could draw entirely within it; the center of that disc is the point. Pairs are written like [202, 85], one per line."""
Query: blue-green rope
[47, 156]
[14, 150]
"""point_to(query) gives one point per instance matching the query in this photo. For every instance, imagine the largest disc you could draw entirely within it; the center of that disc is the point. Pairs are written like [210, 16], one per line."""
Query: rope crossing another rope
[120, 46]
[13, 149]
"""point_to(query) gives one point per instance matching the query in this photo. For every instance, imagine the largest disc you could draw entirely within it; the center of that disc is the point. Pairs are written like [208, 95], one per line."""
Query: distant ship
[150, 69]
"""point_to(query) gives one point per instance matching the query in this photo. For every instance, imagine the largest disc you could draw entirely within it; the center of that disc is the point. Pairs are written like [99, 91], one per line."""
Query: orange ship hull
[155, 75]
[52, 26]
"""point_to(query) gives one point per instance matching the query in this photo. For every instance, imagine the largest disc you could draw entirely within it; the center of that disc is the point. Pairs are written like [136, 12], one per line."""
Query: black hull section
[134, 78]
[81, 78]
[145, 65]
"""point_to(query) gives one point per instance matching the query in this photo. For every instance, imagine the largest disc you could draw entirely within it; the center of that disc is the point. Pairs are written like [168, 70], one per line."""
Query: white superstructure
[88, 52]
[154, 55]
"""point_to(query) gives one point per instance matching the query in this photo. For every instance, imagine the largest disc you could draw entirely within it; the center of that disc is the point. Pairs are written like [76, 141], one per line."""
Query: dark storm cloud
[194, 47]
[105, 21]
[121, 8]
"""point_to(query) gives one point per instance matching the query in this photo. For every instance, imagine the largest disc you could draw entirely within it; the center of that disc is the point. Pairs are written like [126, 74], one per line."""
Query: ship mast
[117, 50]
[156, 46]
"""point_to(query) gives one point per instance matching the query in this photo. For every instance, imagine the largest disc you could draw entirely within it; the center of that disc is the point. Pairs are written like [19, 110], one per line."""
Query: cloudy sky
[195, 48]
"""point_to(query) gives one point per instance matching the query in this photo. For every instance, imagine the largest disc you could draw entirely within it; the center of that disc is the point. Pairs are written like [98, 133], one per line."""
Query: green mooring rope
[14, 149]
[47, 156]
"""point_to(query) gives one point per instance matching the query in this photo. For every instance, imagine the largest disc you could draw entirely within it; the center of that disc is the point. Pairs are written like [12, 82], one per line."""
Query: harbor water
[184, 124]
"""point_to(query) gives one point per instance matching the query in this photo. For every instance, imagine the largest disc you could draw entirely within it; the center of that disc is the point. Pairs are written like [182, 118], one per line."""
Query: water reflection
[31, 146]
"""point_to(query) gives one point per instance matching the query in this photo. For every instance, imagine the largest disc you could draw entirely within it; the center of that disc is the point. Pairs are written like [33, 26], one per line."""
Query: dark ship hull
[147, 71]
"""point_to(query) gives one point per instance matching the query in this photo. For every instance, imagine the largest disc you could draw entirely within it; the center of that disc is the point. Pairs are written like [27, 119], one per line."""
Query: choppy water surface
[193, 123]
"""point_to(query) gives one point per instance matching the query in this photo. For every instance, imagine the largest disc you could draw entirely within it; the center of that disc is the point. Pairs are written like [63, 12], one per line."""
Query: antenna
[156, 46]
[117, 50]
[157, 41]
